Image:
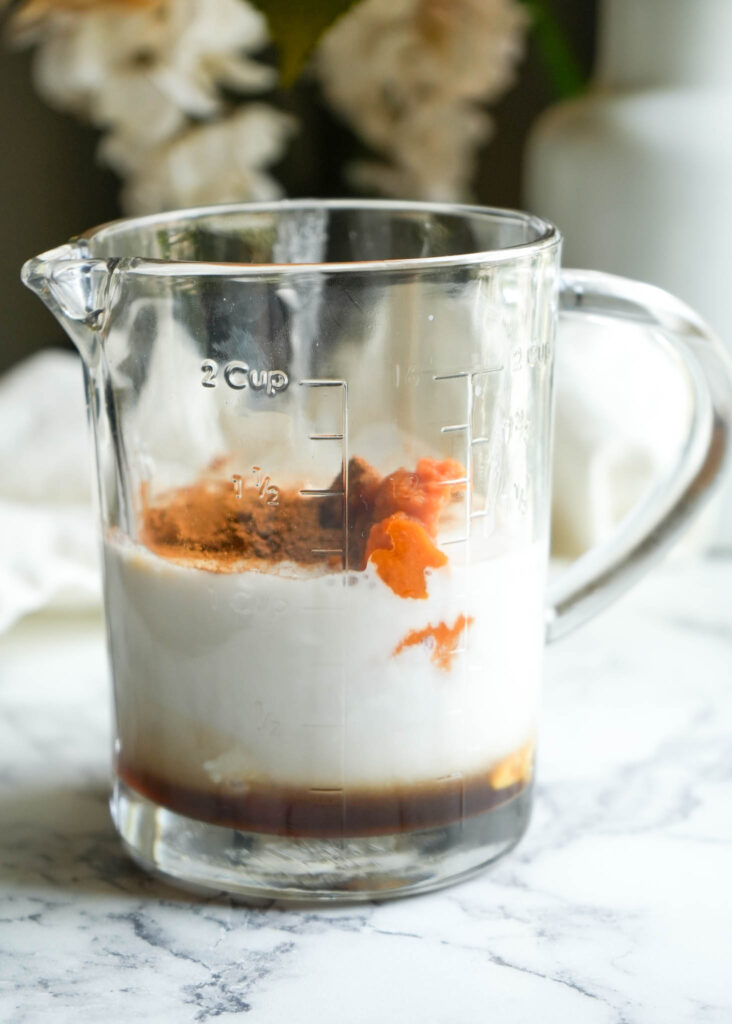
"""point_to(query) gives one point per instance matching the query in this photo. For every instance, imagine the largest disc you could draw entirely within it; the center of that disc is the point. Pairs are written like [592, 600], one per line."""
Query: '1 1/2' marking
[239, 375]
[268, 492]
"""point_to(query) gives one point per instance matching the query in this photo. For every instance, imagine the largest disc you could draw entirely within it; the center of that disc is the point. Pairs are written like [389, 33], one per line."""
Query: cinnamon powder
[213, 526]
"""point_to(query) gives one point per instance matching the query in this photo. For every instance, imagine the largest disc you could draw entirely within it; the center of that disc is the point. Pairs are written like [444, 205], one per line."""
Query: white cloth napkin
[622, 412]
[48, 537]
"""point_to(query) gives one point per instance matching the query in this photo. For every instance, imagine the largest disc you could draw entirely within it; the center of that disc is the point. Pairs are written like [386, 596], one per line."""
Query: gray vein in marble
[227, 991]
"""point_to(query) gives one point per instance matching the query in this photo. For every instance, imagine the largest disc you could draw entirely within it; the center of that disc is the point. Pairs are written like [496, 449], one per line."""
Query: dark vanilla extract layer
[299, 812]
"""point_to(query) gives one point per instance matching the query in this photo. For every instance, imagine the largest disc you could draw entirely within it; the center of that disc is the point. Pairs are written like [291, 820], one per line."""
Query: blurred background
[54, 184]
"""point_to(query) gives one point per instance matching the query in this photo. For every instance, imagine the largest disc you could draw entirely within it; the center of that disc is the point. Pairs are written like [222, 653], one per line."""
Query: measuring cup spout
[75, 287]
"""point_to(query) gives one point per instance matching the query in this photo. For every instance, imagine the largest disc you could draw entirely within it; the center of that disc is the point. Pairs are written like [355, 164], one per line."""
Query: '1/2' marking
[239, 375]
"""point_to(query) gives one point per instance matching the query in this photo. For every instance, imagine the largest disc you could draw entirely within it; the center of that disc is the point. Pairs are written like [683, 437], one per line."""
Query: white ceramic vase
[638, 172]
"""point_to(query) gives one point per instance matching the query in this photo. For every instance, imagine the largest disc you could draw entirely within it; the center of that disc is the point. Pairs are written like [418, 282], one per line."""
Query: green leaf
[296, 26]
[561, 63]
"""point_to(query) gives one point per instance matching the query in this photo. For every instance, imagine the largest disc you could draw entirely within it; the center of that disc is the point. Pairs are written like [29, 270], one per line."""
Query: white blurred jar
[637, 174]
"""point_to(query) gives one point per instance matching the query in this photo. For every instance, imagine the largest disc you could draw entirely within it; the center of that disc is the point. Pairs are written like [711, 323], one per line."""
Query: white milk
[290, 677]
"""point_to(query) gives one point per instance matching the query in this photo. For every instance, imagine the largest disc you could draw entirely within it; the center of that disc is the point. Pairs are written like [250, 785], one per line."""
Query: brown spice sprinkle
[216, 525]
[210, 526]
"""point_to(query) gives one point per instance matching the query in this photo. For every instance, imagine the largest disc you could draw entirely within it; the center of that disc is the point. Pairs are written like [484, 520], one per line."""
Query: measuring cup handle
[607, 570]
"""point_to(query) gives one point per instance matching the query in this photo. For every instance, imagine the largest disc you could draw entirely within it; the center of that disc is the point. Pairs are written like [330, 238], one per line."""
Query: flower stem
[556, 51]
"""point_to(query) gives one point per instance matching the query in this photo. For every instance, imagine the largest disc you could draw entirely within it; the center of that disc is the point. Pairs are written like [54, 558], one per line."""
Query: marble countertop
[615, 909]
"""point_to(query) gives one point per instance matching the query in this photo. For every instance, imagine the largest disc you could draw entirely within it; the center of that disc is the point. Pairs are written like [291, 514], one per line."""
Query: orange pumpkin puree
[402, 551]
[421, 494]
[517, 767]
[405, 510]
[442, 637]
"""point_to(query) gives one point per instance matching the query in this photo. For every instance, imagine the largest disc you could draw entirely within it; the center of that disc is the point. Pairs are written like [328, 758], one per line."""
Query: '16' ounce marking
[238, 376]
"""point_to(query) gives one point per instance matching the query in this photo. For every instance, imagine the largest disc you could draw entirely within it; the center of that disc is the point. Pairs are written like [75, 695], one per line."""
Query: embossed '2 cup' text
[238, 375]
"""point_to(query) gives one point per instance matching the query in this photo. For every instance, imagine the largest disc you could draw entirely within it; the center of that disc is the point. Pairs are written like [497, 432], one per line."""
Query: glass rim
[547, 236]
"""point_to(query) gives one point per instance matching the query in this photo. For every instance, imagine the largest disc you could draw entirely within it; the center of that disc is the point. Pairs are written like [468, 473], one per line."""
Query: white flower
[408, 75]
[219, 162]
[141, 70]
[150, 73]
[433, 158]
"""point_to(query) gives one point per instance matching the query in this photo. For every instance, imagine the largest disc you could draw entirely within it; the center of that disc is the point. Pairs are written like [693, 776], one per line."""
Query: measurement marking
[462, 648]
[466, 373]
[451, 376]
[342, 493]
[310, 492]
[344, 477]
[453, 483]
[471, 442]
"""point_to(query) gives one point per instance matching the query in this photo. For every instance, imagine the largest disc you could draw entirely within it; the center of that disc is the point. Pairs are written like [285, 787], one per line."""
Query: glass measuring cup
[323, 436]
